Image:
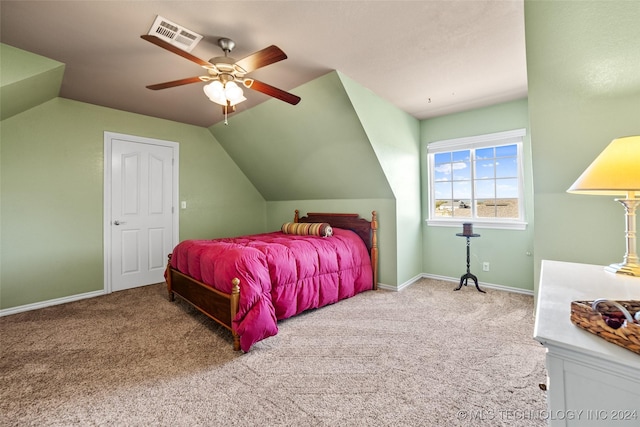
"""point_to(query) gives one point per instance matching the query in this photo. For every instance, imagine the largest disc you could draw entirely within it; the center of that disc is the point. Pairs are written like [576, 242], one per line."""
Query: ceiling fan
[224, 73]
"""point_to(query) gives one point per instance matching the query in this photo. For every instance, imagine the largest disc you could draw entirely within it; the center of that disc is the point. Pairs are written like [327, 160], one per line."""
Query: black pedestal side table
[465, 277]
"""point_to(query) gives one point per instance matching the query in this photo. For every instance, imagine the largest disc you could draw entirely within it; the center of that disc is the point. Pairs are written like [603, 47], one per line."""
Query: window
[477, 179]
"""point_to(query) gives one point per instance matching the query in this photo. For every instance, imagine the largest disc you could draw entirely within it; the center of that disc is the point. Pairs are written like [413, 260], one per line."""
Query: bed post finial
[374, 247]
[296, 217]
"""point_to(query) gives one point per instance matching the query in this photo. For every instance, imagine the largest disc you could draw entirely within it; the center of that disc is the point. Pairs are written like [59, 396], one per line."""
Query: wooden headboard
[367, 230]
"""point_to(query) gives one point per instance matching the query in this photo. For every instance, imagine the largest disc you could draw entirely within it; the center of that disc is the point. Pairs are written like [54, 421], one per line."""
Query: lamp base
[624, 268]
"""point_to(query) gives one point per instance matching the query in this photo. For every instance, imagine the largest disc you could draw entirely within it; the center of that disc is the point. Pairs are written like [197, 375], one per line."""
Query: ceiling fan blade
[261, 58]
[272, 91]
[175, 83]
[163, 44]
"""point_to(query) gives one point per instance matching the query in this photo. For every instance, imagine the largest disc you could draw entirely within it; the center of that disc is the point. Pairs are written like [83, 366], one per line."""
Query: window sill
[500, 225]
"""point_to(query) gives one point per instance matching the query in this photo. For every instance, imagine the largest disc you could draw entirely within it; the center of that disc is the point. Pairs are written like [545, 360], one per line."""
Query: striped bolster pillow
[308, 228]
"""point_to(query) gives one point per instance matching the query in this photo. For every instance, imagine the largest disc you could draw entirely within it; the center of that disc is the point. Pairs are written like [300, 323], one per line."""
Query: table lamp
[616, 172]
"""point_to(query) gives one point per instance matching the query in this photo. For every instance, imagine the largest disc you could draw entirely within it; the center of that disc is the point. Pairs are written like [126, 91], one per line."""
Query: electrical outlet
[485, 266]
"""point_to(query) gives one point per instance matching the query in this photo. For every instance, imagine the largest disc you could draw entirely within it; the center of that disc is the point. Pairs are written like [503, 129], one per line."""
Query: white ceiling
[428, 58]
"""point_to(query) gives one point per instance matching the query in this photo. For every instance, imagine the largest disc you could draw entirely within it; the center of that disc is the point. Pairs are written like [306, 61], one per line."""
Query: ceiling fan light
[234, 93]
[215, 92]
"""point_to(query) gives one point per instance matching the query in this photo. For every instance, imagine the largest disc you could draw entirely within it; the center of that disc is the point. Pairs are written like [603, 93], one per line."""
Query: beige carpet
[425, 356]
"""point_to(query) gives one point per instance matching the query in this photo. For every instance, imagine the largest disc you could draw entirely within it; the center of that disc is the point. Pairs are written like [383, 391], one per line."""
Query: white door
[142, 212]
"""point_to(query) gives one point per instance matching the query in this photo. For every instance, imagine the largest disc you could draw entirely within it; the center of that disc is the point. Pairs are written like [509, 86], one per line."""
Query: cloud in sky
[446, 168]
[490, 165]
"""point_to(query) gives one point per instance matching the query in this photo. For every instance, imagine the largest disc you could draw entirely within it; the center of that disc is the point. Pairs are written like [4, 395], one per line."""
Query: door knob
[116, 222]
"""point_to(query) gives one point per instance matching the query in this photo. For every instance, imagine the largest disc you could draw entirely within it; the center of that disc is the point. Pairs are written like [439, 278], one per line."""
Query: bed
[248, 283]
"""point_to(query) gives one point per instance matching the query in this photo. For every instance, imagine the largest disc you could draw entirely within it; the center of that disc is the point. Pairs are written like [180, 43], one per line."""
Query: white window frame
[472, 143]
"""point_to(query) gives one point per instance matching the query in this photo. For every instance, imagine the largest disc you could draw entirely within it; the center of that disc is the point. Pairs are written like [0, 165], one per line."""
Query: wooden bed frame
[222, 307]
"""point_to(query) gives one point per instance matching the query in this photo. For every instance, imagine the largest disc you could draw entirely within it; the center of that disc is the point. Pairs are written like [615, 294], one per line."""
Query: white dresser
[591, 382]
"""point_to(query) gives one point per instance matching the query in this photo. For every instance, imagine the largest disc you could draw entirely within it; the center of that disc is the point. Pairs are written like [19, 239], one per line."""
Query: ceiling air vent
[175, 34]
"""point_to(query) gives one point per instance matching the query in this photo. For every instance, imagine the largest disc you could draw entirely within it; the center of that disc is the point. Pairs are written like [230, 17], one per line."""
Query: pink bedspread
[280, 275]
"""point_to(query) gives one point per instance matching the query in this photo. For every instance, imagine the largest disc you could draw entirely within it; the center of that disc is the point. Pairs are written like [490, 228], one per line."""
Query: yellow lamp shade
[615, 172]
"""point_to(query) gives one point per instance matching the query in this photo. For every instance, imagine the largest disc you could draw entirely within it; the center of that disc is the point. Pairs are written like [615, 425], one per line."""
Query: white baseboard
[64, 300]
[481, 284]
[453, 280]
[400, 286]
[48, 303]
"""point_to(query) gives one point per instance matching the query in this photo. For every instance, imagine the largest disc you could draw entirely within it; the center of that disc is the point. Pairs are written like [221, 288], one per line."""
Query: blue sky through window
[477, 178]
[495, 171]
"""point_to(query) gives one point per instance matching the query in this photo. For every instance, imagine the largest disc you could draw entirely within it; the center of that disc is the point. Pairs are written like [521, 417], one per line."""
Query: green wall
[583, 65]
[26, 80]
[327, 154]
[508, 251]
[51, 216]
[307, 151]
[340, 148]
[395, 138]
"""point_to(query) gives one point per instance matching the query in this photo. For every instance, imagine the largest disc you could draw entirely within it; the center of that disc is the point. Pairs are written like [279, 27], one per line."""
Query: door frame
[108, 137]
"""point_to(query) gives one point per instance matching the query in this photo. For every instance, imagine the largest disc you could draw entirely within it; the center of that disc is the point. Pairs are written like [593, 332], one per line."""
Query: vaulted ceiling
[428, 58]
